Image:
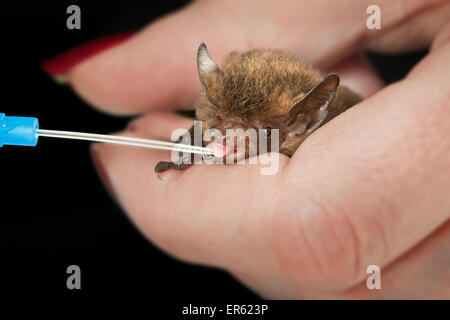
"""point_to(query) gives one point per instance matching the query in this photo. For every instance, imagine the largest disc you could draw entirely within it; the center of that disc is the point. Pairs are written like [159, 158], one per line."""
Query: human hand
[370, 187]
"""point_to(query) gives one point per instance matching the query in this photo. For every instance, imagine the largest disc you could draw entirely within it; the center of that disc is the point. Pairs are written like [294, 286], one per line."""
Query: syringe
[24, 131]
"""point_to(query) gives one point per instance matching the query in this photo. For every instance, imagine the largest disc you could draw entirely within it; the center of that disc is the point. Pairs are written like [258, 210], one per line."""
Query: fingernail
[60, 64]
[102, 172]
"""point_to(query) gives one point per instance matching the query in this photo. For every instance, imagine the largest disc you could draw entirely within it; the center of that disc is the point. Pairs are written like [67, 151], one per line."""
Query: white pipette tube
[145, 143]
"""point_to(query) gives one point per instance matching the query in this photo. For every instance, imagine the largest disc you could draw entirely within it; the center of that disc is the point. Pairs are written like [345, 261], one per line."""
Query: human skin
[370, 187]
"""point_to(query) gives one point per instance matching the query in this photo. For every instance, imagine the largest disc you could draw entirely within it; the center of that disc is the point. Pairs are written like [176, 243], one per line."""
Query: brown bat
[266, 89]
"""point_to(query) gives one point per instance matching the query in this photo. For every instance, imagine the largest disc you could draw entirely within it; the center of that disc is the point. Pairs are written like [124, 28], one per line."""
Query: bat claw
[163, 166]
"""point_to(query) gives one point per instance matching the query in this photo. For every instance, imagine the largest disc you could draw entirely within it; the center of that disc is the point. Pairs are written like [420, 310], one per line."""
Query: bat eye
[266, 131]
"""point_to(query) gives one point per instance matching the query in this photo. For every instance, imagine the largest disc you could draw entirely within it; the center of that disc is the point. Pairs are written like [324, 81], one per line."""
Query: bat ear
[205, 63]
[312, 108]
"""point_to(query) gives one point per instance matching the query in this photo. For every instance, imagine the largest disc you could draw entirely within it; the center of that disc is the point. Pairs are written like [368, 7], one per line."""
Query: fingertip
[96, 155]
[62, 63]
[147, 72]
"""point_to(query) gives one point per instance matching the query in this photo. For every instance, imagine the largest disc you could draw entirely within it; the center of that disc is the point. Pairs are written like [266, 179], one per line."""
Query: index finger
[156, 69]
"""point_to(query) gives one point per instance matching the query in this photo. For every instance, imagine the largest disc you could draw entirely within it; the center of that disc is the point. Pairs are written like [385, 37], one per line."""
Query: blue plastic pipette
[24, 131]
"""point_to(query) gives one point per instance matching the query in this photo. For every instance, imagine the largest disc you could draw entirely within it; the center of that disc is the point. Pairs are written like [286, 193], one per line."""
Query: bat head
[263, 90]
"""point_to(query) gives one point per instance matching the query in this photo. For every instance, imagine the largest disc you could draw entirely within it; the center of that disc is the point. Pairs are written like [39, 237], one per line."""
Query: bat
[265, 89]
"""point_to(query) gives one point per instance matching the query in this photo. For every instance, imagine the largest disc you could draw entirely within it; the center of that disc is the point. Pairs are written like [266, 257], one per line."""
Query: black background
[54, 210]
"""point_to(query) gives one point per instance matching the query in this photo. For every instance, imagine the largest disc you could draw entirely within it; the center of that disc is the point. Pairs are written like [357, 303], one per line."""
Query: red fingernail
[102, 173]
[63, 62]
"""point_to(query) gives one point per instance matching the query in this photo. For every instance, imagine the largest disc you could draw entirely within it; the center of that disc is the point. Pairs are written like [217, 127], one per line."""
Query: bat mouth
[223, 150]
[220, 150]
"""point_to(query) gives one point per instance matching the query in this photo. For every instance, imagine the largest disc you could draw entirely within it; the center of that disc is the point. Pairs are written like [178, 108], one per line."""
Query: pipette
[24, 131]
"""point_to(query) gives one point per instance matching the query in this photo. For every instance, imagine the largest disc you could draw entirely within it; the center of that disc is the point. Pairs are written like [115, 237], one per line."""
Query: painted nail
[60, 64]
[102, 173]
